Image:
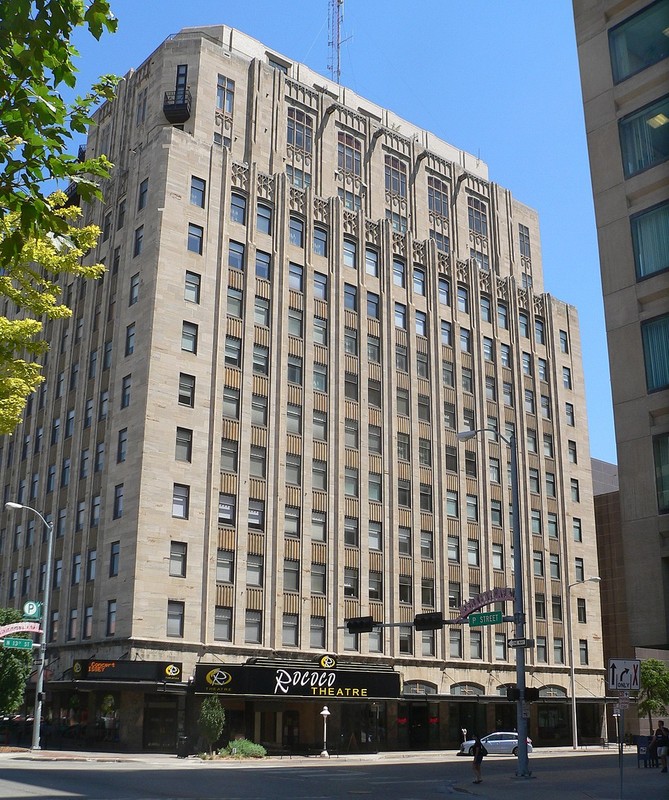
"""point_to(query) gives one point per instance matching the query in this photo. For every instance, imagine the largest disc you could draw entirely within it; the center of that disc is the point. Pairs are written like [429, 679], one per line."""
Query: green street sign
[487, 618]
[18, 644]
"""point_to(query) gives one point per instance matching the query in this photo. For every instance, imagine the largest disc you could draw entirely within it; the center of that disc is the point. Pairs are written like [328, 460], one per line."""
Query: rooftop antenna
[335, 19]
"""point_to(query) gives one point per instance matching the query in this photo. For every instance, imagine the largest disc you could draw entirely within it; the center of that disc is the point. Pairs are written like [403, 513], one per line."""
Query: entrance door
[419, 732]
[160, 724]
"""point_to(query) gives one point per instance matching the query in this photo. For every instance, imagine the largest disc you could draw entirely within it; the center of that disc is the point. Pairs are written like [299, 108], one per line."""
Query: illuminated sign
[113, 670]
[288, 681]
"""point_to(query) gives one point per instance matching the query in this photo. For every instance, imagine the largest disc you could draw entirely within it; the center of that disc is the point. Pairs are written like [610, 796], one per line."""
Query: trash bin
[182, 747]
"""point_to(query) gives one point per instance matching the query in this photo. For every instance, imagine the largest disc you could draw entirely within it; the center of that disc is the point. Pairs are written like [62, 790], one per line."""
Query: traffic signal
[432, 621]
[531, 694]
[360, 624]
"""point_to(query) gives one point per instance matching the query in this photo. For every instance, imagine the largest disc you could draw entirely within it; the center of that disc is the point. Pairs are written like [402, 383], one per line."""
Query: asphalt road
[555, 776]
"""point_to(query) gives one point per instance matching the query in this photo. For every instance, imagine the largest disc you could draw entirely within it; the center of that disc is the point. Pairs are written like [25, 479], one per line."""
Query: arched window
[419, 687]
[467, 689]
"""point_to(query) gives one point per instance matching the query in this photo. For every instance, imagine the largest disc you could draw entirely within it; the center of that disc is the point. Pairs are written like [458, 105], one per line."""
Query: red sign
[19, 627]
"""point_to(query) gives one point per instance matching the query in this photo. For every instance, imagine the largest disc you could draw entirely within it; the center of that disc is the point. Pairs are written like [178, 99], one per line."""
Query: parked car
[499, 743]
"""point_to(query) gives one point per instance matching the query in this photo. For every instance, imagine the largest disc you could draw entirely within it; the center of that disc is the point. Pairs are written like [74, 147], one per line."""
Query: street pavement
[557, 774]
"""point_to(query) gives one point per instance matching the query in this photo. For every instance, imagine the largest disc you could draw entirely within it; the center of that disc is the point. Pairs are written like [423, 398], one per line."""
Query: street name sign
[520, 643]
[624, 674]
[486, 618]
[17, 644]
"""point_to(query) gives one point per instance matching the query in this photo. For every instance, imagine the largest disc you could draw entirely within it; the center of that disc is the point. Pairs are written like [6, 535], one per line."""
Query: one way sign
[624, 674]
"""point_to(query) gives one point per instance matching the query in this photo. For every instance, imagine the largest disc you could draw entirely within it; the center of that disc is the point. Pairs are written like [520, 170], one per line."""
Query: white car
[502, 742]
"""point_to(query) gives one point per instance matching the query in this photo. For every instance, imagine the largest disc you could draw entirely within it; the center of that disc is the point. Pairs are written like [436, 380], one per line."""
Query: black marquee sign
[115, 670]
[287, 681]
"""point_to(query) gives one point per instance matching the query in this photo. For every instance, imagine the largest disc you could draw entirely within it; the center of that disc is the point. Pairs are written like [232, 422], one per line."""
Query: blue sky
[497, 79]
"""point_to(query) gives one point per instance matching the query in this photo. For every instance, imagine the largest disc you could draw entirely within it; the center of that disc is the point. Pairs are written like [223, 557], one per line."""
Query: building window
[650, 239]
[122, 446]
[236, 251]
[643, 138]
[320, 241]
[500, 647]
[130, 339]
[405, 589]
[477, 216]
[661, 458]
[225, 566]
[538, 563]
[351, 587]
[180, 501]
[222, 624]
[300, 127]
[189, 334]
[195, 238]
[192, 287]
[225, 94]
[178, 557]
[455, 642]
[184, 445]
[295, 277]
[639, 41]
[290, 630]
[296, 231]
[375, 585]
[186, 393]
[263, 265]
[237, 208]
[253, 627]
[175, 618]
[437, 196]
[554, 560]
[350, 297]
[372, 263]
[655, 338]
[198, 190]
[111, 617]
[396, 176]
[349, 153]
[118, 501]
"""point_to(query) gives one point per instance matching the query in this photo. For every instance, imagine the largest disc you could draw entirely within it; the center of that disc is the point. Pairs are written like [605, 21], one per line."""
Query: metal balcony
[176, 106]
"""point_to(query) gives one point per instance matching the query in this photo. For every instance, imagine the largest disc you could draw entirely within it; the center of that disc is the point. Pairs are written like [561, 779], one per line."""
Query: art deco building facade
[624, 59]
[248, 431]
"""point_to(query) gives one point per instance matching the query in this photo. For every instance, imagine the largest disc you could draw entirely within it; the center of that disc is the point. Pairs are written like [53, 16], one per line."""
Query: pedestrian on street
[661, 742]
[479, 752]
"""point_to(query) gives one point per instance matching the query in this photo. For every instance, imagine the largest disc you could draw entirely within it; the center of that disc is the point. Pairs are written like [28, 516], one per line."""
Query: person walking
[479, 751]
[661, 744]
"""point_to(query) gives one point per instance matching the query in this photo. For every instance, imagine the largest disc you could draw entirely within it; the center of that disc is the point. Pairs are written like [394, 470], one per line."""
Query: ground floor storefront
[288, 706]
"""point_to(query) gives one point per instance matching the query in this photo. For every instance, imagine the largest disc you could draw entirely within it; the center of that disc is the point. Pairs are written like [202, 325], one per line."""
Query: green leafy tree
[30, 281]
[14, 668]
[211, 720]
[37, 126]
[654, 692]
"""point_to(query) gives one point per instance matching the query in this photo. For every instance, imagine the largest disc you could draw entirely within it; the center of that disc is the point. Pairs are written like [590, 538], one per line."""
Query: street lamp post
[41, 661]
[572, 666]
[325, 713]
[523, 767]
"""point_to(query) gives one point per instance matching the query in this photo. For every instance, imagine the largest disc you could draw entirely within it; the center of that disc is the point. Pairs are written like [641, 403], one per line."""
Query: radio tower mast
[335, 19]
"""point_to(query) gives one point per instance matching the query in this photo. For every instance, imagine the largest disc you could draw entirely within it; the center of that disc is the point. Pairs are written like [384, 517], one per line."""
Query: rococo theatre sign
[282, 681]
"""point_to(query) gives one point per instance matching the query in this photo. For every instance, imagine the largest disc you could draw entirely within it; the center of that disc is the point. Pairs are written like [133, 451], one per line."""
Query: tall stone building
[247, 435]
[623, 51]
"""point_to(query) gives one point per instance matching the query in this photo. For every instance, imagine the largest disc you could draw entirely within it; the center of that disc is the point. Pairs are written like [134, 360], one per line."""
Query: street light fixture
[325, 713]
[572, 668]
[41, 661]
[523, 767]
